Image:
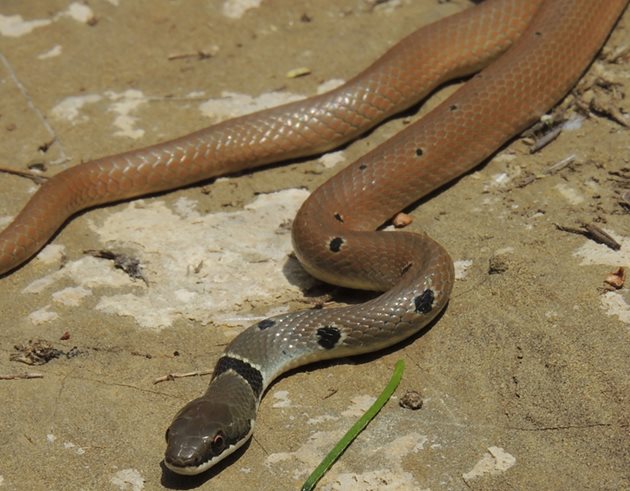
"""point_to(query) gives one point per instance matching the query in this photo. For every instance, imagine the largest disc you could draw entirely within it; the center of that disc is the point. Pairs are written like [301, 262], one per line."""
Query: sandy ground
[525, 378]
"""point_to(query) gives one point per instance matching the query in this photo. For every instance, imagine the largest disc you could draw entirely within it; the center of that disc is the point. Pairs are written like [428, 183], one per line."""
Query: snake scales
[547, 45]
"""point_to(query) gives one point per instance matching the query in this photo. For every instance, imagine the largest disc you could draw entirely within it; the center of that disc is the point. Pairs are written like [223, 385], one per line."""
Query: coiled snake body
[547, 45]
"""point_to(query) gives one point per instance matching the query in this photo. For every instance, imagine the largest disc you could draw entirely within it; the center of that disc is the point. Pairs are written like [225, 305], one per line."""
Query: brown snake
[550, 45]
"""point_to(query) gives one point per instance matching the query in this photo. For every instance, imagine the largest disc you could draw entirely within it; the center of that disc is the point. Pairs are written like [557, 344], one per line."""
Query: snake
[523, 56]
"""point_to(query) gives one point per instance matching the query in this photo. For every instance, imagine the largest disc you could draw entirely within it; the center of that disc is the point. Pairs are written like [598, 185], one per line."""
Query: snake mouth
[190, 470]
[179, 467]
[194, 464]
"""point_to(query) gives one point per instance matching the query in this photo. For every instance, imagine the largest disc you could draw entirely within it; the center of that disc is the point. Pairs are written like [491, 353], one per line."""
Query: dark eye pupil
[218, 443]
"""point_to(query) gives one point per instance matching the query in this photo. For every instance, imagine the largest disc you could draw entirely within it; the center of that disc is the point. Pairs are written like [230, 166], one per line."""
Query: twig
[558, 166]
[20, 376]
[200, 54]
[593, 232]
[172, 376]
[545, 139]
[36, 178]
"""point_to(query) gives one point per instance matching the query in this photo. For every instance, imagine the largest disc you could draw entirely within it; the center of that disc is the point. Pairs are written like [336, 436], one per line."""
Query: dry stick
[36, 178]
[173, 376]
[546, 139]
[21, 376]
[558, 166]
[593, 232]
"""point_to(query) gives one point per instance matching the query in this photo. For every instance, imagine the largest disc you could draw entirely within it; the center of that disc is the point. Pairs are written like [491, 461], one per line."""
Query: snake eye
[218, 443]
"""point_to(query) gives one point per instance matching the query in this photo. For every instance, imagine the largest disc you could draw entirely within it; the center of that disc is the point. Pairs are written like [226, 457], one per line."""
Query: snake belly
[533, 50]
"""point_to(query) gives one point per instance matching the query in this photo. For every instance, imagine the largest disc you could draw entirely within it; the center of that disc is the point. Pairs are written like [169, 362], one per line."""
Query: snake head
[208, 429]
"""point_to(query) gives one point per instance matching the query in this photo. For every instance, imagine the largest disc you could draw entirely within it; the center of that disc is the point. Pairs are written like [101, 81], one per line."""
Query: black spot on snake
[424, 302]
[338, 217]
[251, 375]
[335, 244]
[419, 152]
[405, 268]
[453, 108]
[328, 336]
[265, 324]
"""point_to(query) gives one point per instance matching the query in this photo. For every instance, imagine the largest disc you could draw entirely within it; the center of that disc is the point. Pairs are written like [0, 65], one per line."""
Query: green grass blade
[357, 428]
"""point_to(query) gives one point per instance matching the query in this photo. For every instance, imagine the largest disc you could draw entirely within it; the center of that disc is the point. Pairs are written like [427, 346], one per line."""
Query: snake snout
[185, 452]
[196, 438]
